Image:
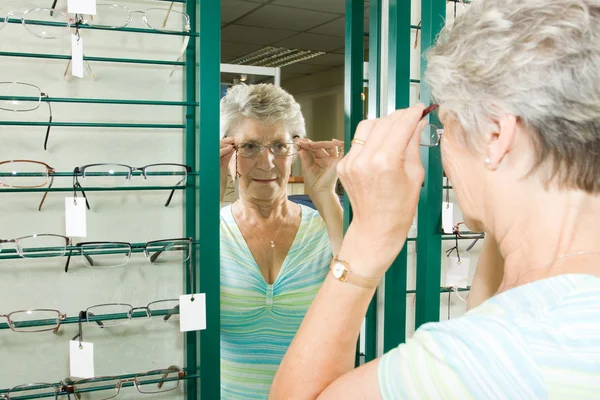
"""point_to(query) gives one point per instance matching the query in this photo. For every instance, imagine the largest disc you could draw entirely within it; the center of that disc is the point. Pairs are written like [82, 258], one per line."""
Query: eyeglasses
[432, 133]
[151, 382]
[115, 314]
[36, 246]
[56, 24]
[116, 254]
[278, 149]
[22, 97]
[26, 174]
[115, 175]
[36, 320]
[46, 390]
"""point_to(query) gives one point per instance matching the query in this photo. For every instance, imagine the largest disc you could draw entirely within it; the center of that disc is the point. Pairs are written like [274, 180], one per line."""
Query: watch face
[338, 270]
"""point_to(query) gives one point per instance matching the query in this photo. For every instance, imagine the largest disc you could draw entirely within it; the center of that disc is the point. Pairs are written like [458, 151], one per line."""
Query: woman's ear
[501, 140]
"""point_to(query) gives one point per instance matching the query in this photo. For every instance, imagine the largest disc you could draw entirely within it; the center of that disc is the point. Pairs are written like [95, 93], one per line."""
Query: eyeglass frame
[44, 96]
[80, 171]
[68, 385]
[20, 250]
[49, 171]
[57, 389]
[439, 131]
[146, 253]
[61, 317]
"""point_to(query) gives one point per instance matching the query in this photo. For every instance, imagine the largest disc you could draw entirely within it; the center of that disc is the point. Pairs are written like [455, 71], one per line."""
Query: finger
[320, 153]
[227, 140]
[305, 159]
[412, 152]
[396, 130]
[363, 130]
[323, 144]
[226, 150]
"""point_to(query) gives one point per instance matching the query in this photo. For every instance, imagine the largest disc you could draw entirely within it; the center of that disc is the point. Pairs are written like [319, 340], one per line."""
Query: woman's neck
[549, 233]
[253, 209]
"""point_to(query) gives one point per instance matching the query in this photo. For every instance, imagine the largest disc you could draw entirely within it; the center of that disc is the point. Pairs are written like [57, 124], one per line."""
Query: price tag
[77, 56]
[192, 312]
[81, 7]
[457, 273]
[448, 217]
[81, 359]
[75, 217]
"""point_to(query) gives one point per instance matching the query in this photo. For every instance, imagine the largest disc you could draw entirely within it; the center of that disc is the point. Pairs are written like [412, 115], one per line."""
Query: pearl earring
[487, 162]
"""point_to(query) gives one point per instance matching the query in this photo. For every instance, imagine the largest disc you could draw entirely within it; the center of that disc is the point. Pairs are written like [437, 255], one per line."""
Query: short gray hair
[264, 103]
[536, 59]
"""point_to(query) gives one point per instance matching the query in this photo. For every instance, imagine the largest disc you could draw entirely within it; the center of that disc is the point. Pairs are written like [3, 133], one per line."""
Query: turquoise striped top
[259, 321]
[536, 341]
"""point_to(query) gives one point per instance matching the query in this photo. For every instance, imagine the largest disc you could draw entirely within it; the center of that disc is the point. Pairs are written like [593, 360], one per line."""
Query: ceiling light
[276, 57]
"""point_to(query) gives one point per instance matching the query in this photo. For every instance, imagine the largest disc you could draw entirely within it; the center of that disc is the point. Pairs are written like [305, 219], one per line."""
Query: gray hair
[535, 59]
[264, 103]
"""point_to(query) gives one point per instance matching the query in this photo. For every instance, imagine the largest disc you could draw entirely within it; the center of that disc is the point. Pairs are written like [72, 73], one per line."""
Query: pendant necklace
[272, 242]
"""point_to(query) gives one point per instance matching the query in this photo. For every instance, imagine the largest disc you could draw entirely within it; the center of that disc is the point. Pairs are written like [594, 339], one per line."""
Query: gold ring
[357, 141]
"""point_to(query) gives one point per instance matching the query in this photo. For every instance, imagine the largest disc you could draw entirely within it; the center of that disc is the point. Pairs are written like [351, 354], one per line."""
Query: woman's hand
[382, 175]
[227, 151]
[319, 166]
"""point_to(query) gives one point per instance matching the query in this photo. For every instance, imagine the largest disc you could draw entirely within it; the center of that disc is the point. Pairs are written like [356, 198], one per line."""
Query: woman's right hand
[227, 151]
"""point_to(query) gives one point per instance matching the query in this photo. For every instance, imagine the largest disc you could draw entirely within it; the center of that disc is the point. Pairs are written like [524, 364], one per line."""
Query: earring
[487, 162]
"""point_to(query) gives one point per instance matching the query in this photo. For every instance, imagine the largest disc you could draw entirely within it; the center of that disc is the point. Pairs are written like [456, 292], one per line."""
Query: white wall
[133, 216]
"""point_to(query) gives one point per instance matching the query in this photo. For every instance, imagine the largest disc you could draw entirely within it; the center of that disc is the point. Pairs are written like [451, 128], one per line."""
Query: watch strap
[354, 279]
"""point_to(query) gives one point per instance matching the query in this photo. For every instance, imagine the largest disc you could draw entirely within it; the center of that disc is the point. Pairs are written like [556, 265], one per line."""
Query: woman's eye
[280, 147]
[249, 146]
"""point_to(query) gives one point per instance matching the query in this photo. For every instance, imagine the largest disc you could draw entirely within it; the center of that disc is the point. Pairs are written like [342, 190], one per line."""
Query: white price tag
[81, 359]
[81, 7]
[192, 312]
[457, 272]
[447, 217]
[77, 56]
[75, 220]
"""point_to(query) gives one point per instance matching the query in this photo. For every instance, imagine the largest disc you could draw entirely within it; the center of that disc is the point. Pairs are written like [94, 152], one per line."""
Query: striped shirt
[536, 341]
[259, 321]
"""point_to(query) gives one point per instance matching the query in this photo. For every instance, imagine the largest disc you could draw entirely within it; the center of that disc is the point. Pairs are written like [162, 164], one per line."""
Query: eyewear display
[151, 382]
[30, 320]
[38, 245]
[115, 175]
[116, 254]
[23, 97]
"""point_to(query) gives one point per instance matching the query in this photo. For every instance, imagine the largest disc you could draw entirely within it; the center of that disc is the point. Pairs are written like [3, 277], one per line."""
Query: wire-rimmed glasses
[252, 149]
[115, 314]
[108, 387]
[34, 320]
[115, 175]
[23, 97]
[116, 254]
[38, 245]
[27, 391]
[432, 133]
[24, 174]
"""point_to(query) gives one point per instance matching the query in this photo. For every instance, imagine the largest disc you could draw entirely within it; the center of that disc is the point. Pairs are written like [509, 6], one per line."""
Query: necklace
[276, 233]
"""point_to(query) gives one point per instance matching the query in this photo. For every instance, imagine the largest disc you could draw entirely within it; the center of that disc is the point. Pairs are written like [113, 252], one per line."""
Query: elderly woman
[518, 85]
[275, 254]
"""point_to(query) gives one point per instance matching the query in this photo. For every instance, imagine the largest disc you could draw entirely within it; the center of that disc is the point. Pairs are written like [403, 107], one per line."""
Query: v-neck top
[259, 320]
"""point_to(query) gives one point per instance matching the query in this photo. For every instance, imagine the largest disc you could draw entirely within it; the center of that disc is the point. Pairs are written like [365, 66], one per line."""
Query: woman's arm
[382, 175]
[329, 207]
[488, 274]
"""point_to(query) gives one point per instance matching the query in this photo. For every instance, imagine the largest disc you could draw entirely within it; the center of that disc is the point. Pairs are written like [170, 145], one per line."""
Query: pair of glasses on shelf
[36, 174]
[102, 387]
[33, 320]
[117, 254]
[24, 97]
[97, 254]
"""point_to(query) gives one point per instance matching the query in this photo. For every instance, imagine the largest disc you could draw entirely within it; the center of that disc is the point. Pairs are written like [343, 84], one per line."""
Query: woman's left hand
[319, 165]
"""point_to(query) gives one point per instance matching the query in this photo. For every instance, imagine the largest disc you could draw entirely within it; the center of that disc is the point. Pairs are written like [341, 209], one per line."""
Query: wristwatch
[341, 271]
